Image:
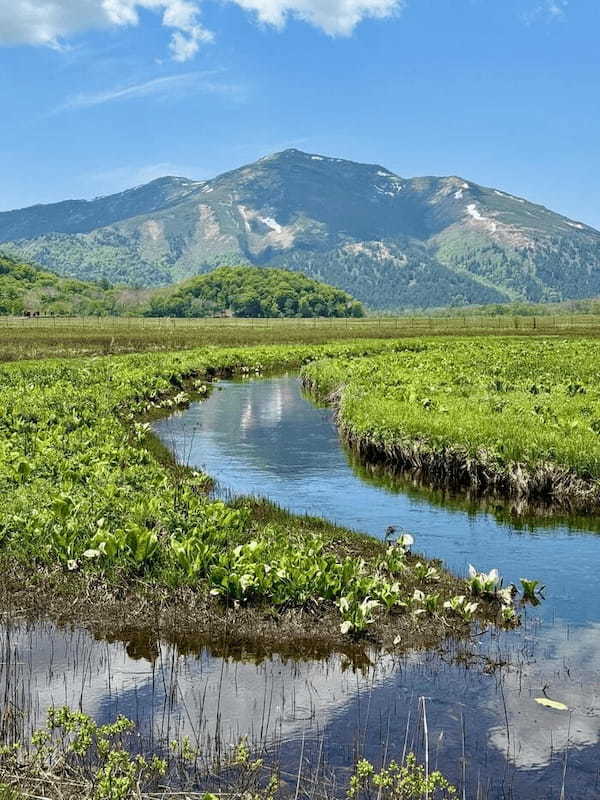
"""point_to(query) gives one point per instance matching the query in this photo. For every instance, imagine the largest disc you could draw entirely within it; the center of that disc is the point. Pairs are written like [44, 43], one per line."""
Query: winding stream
[263, 437]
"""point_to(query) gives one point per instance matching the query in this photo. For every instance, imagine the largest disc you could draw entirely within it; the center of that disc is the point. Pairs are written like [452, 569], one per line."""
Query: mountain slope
[389, 241]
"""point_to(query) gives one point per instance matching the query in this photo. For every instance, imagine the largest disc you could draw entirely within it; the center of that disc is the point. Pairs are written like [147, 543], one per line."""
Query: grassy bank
[520, 418]
[94, 527]
[88, 336]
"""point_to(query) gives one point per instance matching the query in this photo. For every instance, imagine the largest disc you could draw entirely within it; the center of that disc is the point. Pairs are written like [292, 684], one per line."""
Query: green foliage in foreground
[499, 402]
[74, 757]
[74, 750]
[24, 287]
[81, 490]
[254, 292]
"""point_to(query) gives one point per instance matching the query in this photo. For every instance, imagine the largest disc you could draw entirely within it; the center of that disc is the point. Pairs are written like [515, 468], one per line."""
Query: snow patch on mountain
[474, 212]
[276, 235]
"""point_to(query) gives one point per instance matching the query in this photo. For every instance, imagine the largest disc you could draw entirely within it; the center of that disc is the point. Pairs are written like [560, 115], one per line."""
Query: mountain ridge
[389, 241]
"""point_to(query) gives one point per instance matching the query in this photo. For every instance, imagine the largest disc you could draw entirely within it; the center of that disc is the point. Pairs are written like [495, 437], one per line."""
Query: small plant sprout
[424, 572]
[506, 595]
[395, 559]
[408, 780]
[389, 595]
[531, 590]
[357, 615]
[432, 603]
[406, 541]
[508, 615]
[426, 603]
[483, 583]
[462, 607]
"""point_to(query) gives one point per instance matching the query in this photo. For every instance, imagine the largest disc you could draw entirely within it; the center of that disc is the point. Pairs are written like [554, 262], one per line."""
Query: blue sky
[100, 95]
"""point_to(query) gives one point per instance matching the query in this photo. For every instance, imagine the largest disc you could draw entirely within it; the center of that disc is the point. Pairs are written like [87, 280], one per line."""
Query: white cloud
[548, 11]
[556, 9]
[167, 86]
[335, 17]
[184, 47]
[51, 22]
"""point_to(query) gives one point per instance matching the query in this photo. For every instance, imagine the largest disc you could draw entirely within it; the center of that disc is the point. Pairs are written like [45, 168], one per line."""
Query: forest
[253, 292]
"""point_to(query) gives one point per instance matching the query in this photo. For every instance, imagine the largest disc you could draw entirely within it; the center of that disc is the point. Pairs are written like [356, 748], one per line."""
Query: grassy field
[90, 517]
[36, 338]
[520, 417]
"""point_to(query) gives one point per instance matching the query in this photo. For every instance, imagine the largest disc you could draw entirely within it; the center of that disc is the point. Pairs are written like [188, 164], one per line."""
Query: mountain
[390, 241]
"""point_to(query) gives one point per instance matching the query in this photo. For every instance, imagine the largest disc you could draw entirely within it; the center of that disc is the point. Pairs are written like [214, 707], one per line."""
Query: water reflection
[487, 717]
[173, 692]
[566, 668]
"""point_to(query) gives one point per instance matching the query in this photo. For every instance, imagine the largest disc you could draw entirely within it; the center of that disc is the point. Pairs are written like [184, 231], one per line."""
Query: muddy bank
[123, 606]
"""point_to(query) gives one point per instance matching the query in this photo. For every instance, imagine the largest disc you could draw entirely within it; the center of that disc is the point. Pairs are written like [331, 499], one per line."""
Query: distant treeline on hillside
[26, 288]
[227, 291]
[253, 292]
[513, 309]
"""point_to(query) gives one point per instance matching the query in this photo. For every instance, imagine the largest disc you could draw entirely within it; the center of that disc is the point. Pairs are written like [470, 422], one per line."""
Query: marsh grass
[74, 757]
[121, 604]
[516, 418]
[93, 336]
[94, 526]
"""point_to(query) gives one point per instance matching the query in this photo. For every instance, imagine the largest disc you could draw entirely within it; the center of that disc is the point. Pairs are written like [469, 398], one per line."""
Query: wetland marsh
[265, 437]
[188, 658]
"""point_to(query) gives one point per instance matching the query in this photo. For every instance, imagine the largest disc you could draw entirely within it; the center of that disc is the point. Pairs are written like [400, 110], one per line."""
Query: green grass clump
[517, 416]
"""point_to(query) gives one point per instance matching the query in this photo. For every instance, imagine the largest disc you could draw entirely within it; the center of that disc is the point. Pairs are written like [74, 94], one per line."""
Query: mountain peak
[293, 154]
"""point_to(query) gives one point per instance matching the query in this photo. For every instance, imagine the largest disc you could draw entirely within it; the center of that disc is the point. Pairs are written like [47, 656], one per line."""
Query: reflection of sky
[279, 700]
[176, 695]
[568, 669]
